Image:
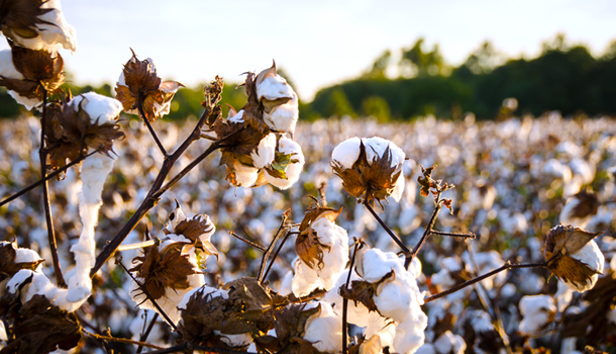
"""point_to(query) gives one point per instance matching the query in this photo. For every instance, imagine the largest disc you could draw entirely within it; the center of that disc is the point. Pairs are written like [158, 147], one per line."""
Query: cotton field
[515, 180]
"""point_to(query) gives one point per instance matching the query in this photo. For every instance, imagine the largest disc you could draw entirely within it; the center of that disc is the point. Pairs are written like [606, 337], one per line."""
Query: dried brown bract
[20, 18]
[8, 264]
[162, 270]
[364, 292]
[307, 245]
[248, 308]
[70, 132]
[561, 243]
[41, 327]
[290, 328]
[139, 83]
[41, 71]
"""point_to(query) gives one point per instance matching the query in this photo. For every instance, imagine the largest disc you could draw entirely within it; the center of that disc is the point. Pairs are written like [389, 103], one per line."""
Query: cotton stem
[51, 235]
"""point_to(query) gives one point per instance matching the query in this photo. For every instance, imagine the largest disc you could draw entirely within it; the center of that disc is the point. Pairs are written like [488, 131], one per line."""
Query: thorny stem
[144, 335]
[120, 340]
[345, 301]
[248, 242]
[156, 191]
[271, 264]
[147, 294]
[268, 252]
[47, 178]
[396, 239]
[51, 235]
[505, 266]
[437, 209]
[147, 123]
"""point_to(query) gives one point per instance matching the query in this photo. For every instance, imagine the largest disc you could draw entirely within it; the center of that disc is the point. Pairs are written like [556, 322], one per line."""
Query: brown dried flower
[198, 229]
[139, 84]
[573, 256]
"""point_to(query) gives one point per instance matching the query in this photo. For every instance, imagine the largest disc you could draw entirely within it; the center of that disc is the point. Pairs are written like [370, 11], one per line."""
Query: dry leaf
[42, 328]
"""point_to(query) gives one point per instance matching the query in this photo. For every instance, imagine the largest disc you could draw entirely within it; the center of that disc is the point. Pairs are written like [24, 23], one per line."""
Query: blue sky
[317, 42]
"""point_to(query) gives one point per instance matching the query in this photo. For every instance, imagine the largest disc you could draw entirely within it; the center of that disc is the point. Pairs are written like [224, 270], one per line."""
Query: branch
[505, 266]
[267, 253]
[51, 235]
[454, 234]
[147, 294]
[437, 209]
[271, 264]
[345, 301]
[147, 123]
[396, 239]
[120, 340]
[144, 335]
[156, 191]
[248, 242]
[47, 178]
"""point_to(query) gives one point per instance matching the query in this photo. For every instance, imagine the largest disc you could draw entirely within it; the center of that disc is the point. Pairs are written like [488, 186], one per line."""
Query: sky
[318, 43]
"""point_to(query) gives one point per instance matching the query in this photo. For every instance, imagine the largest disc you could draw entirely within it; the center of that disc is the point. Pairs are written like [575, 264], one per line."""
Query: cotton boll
[237, 118]
[8, 70]
[347, 152]
[294, 169]
[382, 327]
[335, 258]
[398, 188]
[449, 343]
[374, 264]
[410, 335]
[324, 330]
[263, 155]
[376, 147]
[592, 256]
[357, 314]
[101, 109]
[283, 118]
[245, 176]
[54, 32]
[273, 87]
[235, 340]
[537, 310]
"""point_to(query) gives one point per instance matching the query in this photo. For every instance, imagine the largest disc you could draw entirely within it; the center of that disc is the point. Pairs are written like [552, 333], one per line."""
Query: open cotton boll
[53, 31]
[537, 310]
[335, 258]
[410, 334]
[449, 343]
[273, 87]
[283, 118]
[376, 147]
[294, 169]
[41, 285]
[375, 264]
[324, 330]
[592, 256]
[347, 152]
[357, 313]
[265, 152]
[101, 109]
[245, 176]
[8, 70]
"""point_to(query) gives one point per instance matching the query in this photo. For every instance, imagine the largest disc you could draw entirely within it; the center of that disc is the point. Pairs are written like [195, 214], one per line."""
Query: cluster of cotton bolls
[514, 180]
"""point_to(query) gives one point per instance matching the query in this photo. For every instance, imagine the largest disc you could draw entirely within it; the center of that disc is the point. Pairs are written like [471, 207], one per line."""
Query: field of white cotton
[514, 180]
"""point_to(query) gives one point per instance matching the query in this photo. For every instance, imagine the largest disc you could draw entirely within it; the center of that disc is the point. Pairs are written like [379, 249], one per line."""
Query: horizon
[318, 44]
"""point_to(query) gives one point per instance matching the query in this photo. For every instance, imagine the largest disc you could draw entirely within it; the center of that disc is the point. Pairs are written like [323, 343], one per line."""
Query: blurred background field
[513, 177]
